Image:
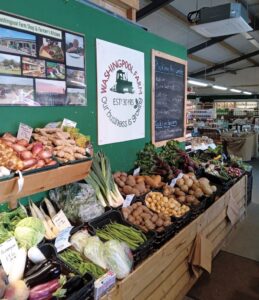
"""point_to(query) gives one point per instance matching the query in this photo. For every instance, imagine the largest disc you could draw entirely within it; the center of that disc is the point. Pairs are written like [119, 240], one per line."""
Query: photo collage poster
[40, 65]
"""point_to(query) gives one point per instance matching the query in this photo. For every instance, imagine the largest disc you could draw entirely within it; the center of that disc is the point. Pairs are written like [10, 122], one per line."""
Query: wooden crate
[124, 8]
[166, 274]
[43, 181]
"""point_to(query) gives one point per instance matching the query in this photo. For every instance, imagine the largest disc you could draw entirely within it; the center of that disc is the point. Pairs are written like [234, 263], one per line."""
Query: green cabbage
[29, 232]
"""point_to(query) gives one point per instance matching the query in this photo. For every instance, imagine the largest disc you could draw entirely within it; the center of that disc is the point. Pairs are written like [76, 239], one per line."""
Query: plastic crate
[142, 251]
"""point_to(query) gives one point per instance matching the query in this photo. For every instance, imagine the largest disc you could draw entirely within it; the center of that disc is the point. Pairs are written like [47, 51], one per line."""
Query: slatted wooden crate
[124, 8]
[165, 275]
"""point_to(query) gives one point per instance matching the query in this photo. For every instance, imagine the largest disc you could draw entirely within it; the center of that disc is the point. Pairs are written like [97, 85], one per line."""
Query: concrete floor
[245, 241]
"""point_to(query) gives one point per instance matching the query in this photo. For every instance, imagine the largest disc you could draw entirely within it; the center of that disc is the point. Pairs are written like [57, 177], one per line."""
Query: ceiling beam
[235, 51]
[224, 64]
[152, 7]
[201, 60]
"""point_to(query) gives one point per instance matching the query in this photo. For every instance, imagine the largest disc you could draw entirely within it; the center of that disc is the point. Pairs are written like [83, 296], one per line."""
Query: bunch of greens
[8, 222]
[103, 183]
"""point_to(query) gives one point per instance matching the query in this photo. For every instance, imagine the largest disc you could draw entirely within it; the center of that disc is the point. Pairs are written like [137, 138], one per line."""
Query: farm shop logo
[128, 87]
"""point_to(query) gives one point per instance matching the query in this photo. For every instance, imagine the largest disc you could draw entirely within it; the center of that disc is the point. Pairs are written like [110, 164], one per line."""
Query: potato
[189, 182]
[190, 198]
[198, 193]
[159, 222]
[191, 192]
[131, 219]
[130, 181]
[186, 177]
[184, 188]
[150, 225]
[180, 182]
[167, 223]
[140, 187]
[214, 188]
[181, 199]
[127, 190]
[154, 218]
[123, 178]
[179, 193]
[135, 191]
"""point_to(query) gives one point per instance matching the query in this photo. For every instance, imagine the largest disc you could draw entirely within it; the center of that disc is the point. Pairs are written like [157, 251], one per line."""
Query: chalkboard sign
[168, 98]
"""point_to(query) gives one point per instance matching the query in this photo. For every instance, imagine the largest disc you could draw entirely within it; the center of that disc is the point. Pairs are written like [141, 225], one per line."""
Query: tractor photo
[122, 85]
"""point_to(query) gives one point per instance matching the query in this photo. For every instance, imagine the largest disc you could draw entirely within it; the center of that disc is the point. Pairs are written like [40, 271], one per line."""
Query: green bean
[131, 236]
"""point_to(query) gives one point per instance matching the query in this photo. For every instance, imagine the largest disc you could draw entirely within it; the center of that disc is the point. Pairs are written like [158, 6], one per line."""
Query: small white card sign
[62, 240]
[24, 132]
[68, 123]
[8, 252]
[61, 221]
[128, 200]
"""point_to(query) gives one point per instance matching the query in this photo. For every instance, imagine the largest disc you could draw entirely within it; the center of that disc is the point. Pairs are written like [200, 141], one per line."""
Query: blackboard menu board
[168, 98]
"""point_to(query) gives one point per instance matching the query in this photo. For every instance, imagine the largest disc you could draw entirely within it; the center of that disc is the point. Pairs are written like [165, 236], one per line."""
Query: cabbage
[29, 232]
[118, 258]
[94, 251]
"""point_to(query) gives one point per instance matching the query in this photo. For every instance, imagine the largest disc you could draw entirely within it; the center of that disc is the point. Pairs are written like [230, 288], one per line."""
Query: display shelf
[166, 274]
[43, 181]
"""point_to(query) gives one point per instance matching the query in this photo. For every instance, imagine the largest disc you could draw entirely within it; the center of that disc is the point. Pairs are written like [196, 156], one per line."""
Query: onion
[9, 137]
[36, 149]
[25, 155]
[22, 142]
[7, 142]
[29, 163]
[51, 163]
[40, 163]
[30, 146]
[44, 154]
[18, 148]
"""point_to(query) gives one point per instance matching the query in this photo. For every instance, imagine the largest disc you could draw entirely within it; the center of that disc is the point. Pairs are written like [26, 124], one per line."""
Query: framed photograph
[16, 42]
[33, 67]
[10, 64]
[16, 91]
[74, 50]
[51, 49]
[75, 78]
[76, 97]
[56, 70]
[50, 92]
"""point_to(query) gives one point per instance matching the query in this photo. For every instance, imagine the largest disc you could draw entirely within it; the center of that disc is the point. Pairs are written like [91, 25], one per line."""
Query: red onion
[37, 148]
[25, 155]
[40, 163]
[44, 154]
[18, 148]
[22, 142]
[51, 163]
[9, 137]
[29, 163]
[30, 146]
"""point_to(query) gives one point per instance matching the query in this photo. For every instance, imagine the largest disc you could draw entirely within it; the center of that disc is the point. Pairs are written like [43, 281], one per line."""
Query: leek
[101, 179]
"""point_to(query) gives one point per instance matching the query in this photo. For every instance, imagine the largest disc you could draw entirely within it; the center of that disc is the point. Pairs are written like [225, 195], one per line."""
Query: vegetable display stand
[166, 274]
[43, 181]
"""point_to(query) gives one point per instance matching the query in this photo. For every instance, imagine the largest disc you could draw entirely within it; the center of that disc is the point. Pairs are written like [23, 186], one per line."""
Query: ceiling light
[197, 83]
[218, 87]
[235, 91]
[247, 93]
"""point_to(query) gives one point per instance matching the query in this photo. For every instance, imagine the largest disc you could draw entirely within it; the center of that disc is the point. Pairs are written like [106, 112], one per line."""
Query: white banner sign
[121, 93]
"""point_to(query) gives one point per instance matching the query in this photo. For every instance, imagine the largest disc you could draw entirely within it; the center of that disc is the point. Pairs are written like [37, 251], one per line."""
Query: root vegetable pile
[136, 185]
[20, 155]
[168, 206]
[63, 145]
[141, 216]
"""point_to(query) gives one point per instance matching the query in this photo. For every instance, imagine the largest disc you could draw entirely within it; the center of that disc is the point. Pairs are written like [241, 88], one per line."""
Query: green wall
[94, 24]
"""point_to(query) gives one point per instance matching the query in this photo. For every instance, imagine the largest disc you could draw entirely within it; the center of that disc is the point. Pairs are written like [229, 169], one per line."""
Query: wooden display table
[166, 274]
[43, 181]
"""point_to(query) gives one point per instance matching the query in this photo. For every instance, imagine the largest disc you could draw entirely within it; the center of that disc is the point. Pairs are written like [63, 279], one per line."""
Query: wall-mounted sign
[121, 93]
[168, 97]
[40, 65]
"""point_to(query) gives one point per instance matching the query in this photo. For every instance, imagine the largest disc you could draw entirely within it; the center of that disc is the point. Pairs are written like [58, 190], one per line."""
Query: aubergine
[73, 284]
[47, 272]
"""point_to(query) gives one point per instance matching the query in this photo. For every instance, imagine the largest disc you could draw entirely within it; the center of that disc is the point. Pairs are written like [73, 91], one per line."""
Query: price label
[188, 135]
[62, 240]
[136, 172]
[173, 182]
[8, 252]
[189, 147]
[212, 146]
[24, 132]
[68, 123]
[128, 200]
[60, 220]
